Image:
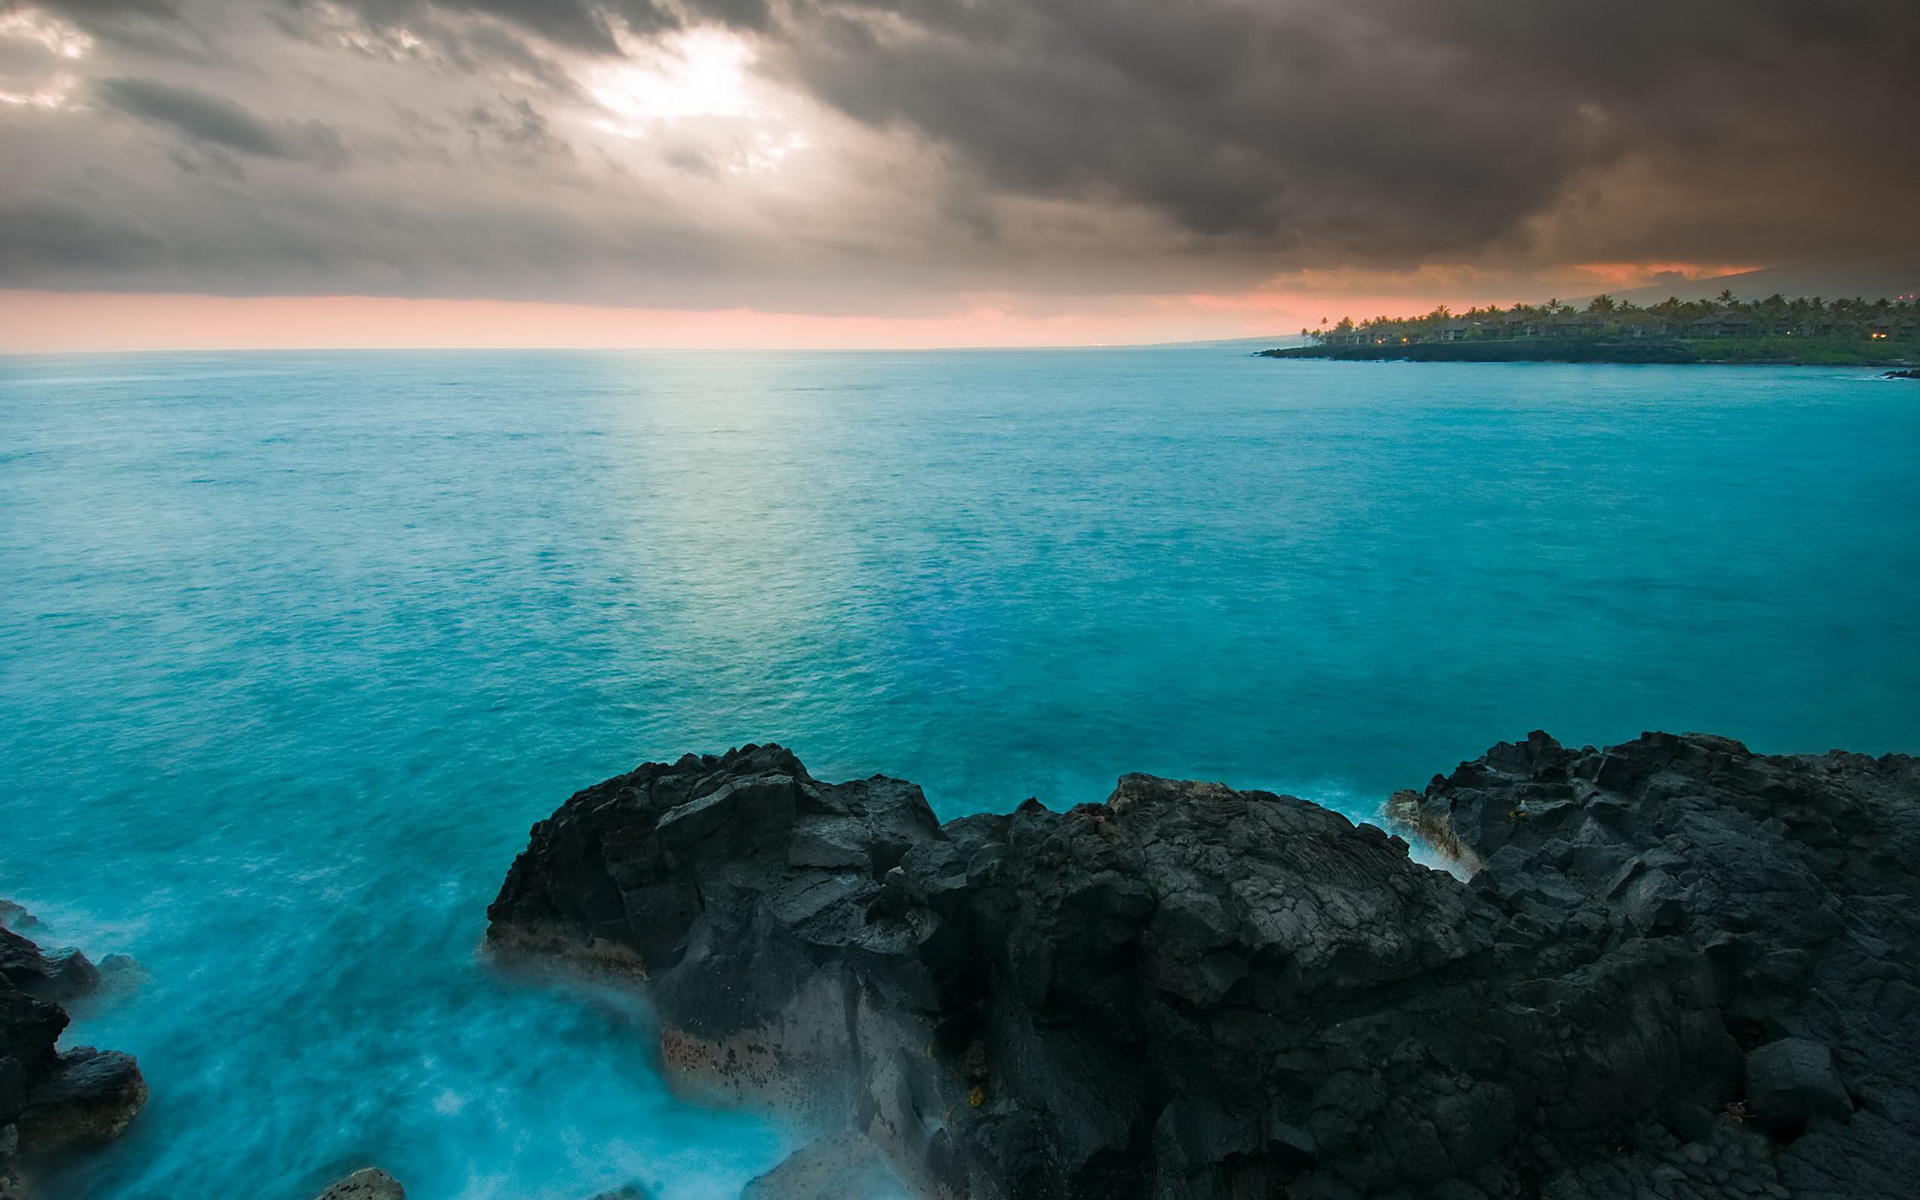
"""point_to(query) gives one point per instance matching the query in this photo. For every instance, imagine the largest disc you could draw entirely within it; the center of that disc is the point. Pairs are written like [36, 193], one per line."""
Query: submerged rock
[368, 1183]
[52, 1101]
[1190, 991]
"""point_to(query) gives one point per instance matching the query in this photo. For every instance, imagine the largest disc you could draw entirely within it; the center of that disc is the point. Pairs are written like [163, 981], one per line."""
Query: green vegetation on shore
[1806, 331]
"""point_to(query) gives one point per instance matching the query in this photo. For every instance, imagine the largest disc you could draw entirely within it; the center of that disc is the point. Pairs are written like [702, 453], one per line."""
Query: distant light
[29, 25]
[63, 41]
[53, 95]
[701, 73]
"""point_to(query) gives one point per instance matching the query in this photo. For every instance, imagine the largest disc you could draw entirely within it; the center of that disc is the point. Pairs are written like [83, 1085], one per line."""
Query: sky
[202, 173]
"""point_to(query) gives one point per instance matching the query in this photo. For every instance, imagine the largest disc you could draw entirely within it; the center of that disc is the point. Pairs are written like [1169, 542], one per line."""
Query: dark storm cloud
[1038, 145]
[196, 114]
[1393, 130]
[215, 120]
[1401, 129]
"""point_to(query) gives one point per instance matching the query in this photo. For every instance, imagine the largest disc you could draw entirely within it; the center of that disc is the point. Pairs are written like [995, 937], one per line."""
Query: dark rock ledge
[1680, 970]
[52, 1102]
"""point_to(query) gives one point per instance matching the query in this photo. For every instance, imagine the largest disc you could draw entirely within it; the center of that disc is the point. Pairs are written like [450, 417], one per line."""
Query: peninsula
[1800, 332]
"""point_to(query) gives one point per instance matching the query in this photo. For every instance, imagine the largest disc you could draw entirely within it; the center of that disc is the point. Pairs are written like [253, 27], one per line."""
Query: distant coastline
[1809, 353]
[1775, 331]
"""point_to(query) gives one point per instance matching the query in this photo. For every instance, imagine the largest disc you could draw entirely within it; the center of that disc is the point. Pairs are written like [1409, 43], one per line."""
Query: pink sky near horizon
[82, 322]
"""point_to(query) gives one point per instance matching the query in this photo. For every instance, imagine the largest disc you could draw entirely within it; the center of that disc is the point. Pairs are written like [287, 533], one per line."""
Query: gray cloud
[954, 145]
[579, 24]
[517, 126]
[216, 121]
[59, 240]
[156, 27]
[1400, 130]
[196, 114]
[93, 12]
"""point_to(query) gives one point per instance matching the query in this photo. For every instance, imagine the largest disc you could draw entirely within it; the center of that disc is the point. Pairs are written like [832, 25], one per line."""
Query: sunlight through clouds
[35, 50]
[698, 87]
[32, 25]
[699, 73]
[873, 159]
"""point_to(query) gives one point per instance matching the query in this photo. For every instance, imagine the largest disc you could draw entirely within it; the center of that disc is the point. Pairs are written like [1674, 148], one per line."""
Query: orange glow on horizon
[1626, 276]
[82, 322]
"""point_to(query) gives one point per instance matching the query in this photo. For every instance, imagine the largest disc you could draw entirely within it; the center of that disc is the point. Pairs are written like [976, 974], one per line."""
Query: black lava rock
[55, 978]
[1791, 1081]
[1190, 991]
[52, 1101]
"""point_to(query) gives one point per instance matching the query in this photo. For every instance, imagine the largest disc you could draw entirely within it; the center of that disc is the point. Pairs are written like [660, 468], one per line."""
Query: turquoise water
[293, 648]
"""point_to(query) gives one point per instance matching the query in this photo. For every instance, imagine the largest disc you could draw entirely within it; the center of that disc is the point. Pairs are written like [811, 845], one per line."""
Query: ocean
[295, 647]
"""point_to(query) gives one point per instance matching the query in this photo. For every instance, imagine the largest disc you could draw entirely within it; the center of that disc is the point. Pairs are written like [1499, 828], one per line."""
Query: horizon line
[42, 322]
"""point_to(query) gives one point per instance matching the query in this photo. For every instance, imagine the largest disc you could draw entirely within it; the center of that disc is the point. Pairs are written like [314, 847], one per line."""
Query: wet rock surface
[1679, 970]
[50, 1101]
[1792, 1081]
[841, 1166]
[368, 1183]
[90, 1097]
[55, 977]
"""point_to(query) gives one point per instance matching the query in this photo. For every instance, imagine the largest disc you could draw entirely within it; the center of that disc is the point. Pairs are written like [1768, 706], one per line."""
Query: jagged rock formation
[1681, 970]
[1791, 881]
[53, 978]
[52, 1101]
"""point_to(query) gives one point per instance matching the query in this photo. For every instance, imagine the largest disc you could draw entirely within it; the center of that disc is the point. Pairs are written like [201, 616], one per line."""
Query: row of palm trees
[1724, 316]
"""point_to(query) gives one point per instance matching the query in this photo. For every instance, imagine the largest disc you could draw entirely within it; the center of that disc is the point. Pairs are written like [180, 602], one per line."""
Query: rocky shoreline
[53, 1102]
[1679, 969]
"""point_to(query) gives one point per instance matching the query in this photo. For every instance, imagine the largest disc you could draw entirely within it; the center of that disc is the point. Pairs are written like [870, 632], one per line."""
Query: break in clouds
[848, 155]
